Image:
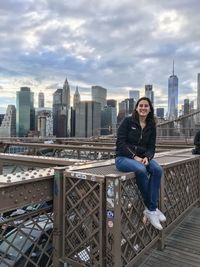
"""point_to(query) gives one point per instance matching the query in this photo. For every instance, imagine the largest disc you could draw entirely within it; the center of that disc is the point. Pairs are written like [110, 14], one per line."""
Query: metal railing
[97, 215]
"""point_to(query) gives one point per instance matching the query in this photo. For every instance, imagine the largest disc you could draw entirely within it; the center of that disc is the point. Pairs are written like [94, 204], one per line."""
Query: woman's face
[143, 108]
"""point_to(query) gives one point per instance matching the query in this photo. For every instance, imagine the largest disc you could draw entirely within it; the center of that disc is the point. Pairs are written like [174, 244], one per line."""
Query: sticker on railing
[110, 224]
[110, 214]
[81, 176]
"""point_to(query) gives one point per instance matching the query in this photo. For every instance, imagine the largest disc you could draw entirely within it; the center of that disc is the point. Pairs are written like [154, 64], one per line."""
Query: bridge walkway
[182, 246]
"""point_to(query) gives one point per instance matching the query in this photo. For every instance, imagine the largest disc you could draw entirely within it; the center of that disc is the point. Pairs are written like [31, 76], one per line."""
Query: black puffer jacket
[133, 140]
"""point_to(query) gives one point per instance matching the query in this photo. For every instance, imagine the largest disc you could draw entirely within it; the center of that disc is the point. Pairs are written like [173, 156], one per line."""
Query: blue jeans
[147, 178]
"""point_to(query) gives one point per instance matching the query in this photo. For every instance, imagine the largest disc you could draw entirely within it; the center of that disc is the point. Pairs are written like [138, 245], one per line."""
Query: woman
[135, 149]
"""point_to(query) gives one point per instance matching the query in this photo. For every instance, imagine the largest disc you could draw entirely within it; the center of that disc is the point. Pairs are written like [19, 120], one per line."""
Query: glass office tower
[25, 113]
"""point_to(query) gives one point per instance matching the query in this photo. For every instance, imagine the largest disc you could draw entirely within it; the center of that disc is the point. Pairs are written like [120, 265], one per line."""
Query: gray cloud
[117, 44]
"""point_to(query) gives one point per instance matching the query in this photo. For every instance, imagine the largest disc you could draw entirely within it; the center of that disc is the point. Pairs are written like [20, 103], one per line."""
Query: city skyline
[119, 46]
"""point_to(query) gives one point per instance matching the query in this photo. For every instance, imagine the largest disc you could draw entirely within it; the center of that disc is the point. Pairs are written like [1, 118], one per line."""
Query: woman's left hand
[145, 161]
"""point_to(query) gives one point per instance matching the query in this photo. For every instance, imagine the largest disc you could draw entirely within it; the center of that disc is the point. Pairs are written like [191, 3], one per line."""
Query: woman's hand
[144, 161]
[138, 159]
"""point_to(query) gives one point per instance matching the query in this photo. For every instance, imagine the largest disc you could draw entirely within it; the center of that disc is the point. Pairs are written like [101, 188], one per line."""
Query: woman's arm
[122, 146]
[151, 144]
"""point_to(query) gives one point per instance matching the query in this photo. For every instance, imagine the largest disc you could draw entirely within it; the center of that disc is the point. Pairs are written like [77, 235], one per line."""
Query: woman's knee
[155, 168]
[158, 170]
[141, 170]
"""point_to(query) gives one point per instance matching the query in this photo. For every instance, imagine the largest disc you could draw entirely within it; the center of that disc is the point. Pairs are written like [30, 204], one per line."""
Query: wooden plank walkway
[182, 245]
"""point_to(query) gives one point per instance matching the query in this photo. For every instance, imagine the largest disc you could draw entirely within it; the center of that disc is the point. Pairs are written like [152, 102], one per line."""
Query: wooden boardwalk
[182, 245]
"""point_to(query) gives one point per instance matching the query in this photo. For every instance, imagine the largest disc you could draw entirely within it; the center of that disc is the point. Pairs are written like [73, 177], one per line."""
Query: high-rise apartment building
[88, 119]
[25, 113]
[99, 95]
[173, 96]
[149, 92]
[41, 100]
[134, 94]
[77, 98]
[8, 125]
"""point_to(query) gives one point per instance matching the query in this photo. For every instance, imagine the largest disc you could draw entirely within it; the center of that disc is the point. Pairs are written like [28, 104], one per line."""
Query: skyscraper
[66, 95]
[25, 116]
[88, 119]
[160, 112]
[186, 106]
[77, 98]
[57, 108]
[198, 91]
[41, 100]
[99, 95]
[134, 94]
[61, 111]
[149, 92]
[111, 103]
[8, 126]
[172, 96]
[108, 120]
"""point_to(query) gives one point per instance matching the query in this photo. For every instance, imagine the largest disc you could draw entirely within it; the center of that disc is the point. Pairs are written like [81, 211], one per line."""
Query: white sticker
[116, 182]
[123, 178]
[110, 202]
[80, 176]
[93, 178]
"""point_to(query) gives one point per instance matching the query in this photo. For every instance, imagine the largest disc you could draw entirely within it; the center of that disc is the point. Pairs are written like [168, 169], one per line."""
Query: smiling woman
[135, 149]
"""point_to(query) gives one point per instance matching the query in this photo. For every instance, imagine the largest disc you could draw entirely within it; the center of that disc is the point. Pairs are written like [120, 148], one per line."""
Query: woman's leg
[144, 183]
[125, 164]
[155, 171]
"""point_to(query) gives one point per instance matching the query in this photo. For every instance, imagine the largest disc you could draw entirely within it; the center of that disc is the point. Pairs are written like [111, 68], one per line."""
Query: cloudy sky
[118, 44]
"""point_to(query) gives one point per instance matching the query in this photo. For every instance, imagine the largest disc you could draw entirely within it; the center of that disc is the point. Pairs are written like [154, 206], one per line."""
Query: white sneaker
[160, 215]
[153, 218]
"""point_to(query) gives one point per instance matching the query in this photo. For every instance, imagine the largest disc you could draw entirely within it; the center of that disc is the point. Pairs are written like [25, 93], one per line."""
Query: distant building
[198, 97]
[186, 107]
[41, 100]
[126, 108]
[198, 91]
[160, 113]
[111, 103]
[99, 95]
[61, 111]
[77, 98]
[173, 96]
[149, 92]
[108, 120]
[44, 118]
[1, 118]
[134, 94]
[8, 125]
[66, 95]
[191, 106]
[25, 117]
[88, 119]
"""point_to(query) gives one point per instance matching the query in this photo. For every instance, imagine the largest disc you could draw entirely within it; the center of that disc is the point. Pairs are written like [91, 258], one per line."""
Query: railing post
[58, 216]
[199, 181]
[1, 167]
[113, 220]
[161, 243]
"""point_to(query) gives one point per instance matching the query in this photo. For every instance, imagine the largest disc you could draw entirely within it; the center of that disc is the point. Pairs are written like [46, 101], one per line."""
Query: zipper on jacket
[141, 135]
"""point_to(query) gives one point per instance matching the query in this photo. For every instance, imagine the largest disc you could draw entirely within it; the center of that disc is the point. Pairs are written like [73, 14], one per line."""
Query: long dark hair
[150, 116]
